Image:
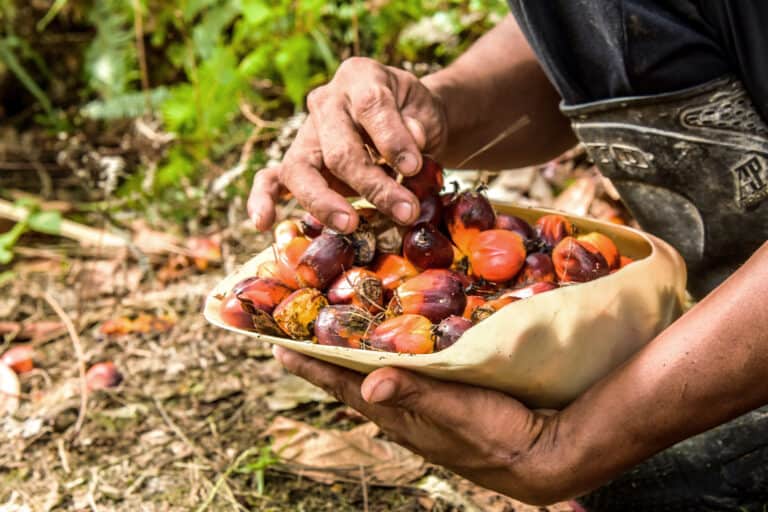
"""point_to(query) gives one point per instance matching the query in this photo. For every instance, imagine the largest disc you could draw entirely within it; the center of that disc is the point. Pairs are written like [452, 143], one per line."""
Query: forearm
[707, 368]
[484, 92]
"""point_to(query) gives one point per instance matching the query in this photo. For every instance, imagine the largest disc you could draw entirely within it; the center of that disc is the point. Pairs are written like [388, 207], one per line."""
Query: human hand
[366, 102]
[484, 435]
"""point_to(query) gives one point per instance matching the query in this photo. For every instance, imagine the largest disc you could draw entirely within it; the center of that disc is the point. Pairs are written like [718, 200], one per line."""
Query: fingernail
[340, 221]
[403, 211]
[406, 163]
[385, 390]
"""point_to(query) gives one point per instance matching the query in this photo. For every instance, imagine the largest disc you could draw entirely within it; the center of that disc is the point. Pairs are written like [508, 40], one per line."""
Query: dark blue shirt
[599, 49]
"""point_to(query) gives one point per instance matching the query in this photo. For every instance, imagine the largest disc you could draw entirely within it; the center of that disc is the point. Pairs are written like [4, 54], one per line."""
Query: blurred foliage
[205, 58]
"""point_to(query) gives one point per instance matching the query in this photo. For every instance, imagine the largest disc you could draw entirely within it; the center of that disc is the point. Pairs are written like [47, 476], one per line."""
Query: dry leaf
[326, 455]
[204, 250]
[35, 331]
[142, 324]
[150, 241]
[104, 277]
[577, 198]
[290, 391]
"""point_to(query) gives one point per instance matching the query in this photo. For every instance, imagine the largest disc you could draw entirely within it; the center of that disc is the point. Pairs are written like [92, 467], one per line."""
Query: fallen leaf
[150, 241]
[104, 277]
[290, 391]
[142, 324]
[577, 198]
[10, 389]
[327, 455]
[35, 331]
[204, 250]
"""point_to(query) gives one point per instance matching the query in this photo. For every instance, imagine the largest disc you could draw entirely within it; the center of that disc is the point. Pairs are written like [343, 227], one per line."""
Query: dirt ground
[185, 429]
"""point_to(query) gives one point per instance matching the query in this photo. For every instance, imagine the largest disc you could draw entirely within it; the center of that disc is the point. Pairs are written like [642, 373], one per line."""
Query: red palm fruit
[311, 226]
[364, 244]
[551, 229]
[393, 270]
[232, 313]
[20, 358]
[473, 302]
[326, 257]
[606, 247]
[261, 293]
[288, 259]
[285, 231]
[426, 247]
[428, 181]
[430, 210]
[577, 261]
[490, 307]
[359, 287]
[297, 313]
[410, 334]
[449, 331]
[625, 260]
[468, 215]
[538, 268]
[102, 375]
[516, 225]
[342, 326]
[435, 294]
[496, 255]
[530, 290]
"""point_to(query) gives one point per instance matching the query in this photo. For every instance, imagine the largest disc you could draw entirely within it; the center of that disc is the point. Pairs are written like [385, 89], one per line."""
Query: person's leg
[725, 468]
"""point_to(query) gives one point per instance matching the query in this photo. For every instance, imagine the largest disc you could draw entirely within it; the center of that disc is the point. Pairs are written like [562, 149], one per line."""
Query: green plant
[47, 222]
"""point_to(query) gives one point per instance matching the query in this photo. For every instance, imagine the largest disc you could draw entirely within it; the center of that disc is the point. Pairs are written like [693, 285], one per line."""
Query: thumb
[394, 387]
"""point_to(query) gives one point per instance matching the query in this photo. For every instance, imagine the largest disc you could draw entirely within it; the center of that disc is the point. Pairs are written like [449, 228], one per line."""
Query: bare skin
[450, 115]
[705, 369]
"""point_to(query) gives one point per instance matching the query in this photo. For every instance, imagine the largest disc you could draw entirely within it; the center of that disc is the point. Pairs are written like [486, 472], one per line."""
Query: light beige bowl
[544, 350]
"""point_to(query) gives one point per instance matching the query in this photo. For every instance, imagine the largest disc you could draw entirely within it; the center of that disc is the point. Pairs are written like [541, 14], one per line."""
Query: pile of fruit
[415, 289]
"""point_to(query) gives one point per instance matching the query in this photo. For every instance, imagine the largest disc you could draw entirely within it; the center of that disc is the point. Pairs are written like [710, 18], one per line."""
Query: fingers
[345, 156]
[263, 198]
[375, 109]
[341, 383]
[301, 173]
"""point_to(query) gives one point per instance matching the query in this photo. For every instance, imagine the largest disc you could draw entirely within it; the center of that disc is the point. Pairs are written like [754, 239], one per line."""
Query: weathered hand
[366, 102]
[483, 435]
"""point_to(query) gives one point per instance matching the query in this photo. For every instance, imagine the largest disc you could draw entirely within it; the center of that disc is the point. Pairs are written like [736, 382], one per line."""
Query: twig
[224, 476]
[138, 27]
[364, 484]
[80, 359]
[63, 456]
[255, 119]
[176, 430]
[92, 488]
[520, 123]
[86, 235]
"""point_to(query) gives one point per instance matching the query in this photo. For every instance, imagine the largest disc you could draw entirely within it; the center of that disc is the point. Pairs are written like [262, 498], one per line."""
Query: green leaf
[292, 61]
[207, 34]
[257, 62]
[179, 165]
[9, 58]
[48, 222]
[323, 46]
[6, 256]
[179, 109]
[124, 106]
[256, 12]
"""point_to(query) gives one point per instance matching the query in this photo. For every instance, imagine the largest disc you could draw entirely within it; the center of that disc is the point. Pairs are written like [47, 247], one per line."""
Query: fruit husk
[544, 350]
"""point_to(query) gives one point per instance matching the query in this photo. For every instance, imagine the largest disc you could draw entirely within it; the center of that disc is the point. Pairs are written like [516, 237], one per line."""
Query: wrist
[548, 465]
